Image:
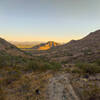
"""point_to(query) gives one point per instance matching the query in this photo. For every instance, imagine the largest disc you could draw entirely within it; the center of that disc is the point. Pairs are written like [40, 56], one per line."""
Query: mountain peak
[93, 35]
[96, 32]
[46, 46]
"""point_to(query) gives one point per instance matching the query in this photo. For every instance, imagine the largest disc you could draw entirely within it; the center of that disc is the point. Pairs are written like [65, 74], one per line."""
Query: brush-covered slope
[85, 49]
[46, 46]
[6, 47]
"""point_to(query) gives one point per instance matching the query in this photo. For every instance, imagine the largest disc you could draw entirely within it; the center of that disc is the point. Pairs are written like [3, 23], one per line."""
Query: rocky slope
[6, 47]
[46, 46]
[86, 49]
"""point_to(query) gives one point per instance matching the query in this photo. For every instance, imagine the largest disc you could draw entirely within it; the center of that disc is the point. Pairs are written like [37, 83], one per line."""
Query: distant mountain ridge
[46, 46]
[26, 44]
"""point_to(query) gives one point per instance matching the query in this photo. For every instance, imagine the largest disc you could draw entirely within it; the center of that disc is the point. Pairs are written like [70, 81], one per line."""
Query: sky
[45, 20]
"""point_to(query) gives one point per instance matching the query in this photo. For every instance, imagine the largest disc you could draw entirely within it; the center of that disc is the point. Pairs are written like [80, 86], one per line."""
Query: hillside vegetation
[86, 49]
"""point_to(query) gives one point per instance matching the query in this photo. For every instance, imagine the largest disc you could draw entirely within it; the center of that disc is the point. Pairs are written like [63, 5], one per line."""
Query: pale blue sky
[43, 20]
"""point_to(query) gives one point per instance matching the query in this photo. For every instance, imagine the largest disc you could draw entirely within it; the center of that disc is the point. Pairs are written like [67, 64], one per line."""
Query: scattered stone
[37, 91]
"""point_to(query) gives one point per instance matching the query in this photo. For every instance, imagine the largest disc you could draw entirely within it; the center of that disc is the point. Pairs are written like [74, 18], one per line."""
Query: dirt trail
[59, 88]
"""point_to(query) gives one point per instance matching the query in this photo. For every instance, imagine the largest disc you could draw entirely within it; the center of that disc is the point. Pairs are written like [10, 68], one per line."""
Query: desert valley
[51, 71]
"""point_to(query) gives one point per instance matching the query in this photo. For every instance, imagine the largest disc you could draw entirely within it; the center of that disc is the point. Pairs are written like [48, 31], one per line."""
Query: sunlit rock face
[46, 46]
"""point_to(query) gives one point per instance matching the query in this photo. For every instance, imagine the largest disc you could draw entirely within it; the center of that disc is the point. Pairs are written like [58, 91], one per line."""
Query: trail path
[59, 88]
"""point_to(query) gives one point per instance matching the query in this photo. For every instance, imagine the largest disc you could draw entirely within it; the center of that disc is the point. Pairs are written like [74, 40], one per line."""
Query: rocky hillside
[46, 46]
[6, 47]
[85, 49]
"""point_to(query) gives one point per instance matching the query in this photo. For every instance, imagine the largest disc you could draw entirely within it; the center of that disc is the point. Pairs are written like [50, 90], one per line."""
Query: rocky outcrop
[46, 46]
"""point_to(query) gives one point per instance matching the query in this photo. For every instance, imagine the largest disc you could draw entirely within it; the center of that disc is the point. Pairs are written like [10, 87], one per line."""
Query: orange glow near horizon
[42, 39]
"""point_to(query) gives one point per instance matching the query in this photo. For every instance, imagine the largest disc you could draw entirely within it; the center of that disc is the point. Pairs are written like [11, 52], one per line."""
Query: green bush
[2, 61]
[11, 77]
[92, 93]
[64, 62]
[12, 61]
[76, 70]
[87, 52]
[2, 96]
[42, 66]
[69, 54]
[90, 68]
[98, 62]
[30, 64]
[55, 65]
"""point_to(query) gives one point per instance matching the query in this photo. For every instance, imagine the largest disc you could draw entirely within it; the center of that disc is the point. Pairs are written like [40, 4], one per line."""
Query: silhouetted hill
[6, 47]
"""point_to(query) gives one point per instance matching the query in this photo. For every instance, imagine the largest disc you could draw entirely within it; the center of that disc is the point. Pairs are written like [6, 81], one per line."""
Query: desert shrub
[98, 62]
[76, 70]
[12, 61]
[46, 66]
[12, 47]
[87, 52]
[2, 96]
[12, 76]
[32, 65]
[92, 93]
[42, 66]
[55, 65]
[90, 68]
[69, 54]
[2, 61]
[64, 62]
[68, 70]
